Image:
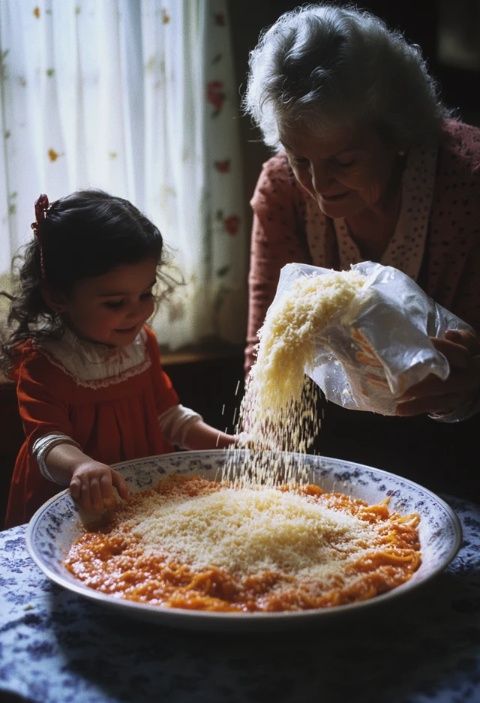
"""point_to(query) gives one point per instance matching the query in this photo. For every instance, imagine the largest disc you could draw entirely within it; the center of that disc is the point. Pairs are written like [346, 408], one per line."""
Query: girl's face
[111, 308]
[345, 172]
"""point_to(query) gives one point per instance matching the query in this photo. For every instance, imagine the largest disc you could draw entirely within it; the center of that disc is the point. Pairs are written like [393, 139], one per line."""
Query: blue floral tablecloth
[57, 647]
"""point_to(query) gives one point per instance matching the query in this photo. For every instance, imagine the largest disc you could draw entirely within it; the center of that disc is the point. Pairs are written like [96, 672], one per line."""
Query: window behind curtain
[136, 97]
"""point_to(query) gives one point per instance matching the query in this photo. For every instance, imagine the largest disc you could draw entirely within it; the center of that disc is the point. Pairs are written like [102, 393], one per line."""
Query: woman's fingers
[458, 382]
[466, 339]
[440, 404]
[434, 396]
[457, 355]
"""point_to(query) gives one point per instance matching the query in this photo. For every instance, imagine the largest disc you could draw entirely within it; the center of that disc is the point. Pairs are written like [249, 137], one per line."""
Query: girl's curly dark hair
[82, 235]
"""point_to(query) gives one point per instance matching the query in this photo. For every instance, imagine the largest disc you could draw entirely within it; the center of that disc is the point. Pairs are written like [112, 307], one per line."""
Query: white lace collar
[93, 365]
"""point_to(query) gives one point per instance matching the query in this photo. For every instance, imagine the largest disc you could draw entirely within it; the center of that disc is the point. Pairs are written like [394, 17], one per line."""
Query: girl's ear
[55, 300]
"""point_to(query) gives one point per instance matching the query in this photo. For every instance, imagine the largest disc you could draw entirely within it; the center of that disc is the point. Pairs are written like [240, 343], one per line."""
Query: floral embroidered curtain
[136, 97]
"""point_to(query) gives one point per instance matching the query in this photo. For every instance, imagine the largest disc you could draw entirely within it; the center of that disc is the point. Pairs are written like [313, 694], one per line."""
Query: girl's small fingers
[120, 484]
[84, 498]
[106, 486]
[95, 494]
[75, 488]
[109, 500]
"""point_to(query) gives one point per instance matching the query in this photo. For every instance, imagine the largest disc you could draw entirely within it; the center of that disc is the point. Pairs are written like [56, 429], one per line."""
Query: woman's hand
[437, 397]
[92, 486]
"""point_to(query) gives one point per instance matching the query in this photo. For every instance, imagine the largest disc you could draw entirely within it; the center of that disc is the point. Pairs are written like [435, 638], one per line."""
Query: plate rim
[165, 615]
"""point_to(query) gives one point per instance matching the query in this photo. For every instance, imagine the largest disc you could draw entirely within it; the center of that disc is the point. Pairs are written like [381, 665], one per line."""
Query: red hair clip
[41, 209]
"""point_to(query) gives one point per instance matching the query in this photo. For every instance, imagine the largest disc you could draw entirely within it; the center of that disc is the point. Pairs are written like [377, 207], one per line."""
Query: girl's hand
[437, 397]
[203, 436]
[245, 440]
[92, 487]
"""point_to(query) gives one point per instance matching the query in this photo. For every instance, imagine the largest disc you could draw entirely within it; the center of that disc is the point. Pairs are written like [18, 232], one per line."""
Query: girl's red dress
[108, 402]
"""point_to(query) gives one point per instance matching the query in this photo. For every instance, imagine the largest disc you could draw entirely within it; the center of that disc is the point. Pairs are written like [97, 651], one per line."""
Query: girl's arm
[91, 482]
[202, 436]
[185, 428]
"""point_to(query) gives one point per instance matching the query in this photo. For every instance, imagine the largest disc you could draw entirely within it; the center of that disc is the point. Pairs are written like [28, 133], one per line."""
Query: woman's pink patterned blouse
[436, 240]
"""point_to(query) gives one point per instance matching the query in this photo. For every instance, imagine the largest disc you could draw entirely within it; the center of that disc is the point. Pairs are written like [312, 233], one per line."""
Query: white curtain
[137, 97]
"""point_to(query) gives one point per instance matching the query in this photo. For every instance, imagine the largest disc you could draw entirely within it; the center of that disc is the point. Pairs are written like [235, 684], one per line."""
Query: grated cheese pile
[279, 409]
[248, 531]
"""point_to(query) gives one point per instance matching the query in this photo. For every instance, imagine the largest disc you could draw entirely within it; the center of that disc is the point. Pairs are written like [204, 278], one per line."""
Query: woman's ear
[53, 299]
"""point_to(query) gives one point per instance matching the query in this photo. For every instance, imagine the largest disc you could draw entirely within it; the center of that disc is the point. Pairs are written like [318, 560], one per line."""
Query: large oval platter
[56, 525]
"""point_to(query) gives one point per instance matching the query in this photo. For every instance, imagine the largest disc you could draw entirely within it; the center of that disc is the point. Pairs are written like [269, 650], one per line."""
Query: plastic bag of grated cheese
[368, 330]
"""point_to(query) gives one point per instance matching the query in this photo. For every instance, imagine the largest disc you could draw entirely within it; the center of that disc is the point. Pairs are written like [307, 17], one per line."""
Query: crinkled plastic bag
[371, 352]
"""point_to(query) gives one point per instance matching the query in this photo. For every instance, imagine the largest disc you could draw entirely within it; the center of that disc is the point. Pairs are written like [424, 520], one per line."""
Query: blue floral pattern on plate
[56, 525]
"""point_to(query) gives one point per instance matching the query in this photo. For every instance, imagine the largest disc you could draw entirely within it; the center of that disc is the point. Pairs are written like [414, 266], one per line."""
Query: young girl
[91, 389]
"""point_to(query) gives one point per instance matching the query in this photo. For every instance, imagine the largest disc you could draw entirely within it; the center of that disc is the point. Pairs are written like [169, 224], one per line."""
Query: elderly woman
[368, 166]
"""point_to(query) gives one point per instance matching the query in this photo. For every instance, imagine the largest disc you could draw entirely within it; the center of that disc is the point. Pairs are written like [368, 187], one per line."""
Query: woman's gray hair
[322, 65]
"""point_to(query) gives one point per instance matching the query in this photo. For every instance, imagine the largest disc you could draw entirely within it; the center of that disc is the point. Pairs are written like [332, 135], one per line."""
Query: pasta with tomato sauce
[197, 544]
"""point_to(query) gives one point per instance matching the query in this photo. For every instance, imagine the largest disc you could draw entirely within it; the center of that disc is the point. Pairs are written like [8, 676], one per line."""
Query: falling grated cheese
[279, 412]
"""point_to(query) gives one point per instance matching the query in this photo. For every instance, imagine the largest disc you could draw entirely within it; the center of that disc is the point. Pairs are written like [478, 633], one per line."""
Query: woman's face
[345, 172]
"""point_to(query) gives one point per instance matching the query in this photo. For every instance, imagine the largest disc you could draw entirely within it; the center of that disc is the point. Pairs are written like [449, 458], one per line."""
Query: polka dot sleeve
[452, 262]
